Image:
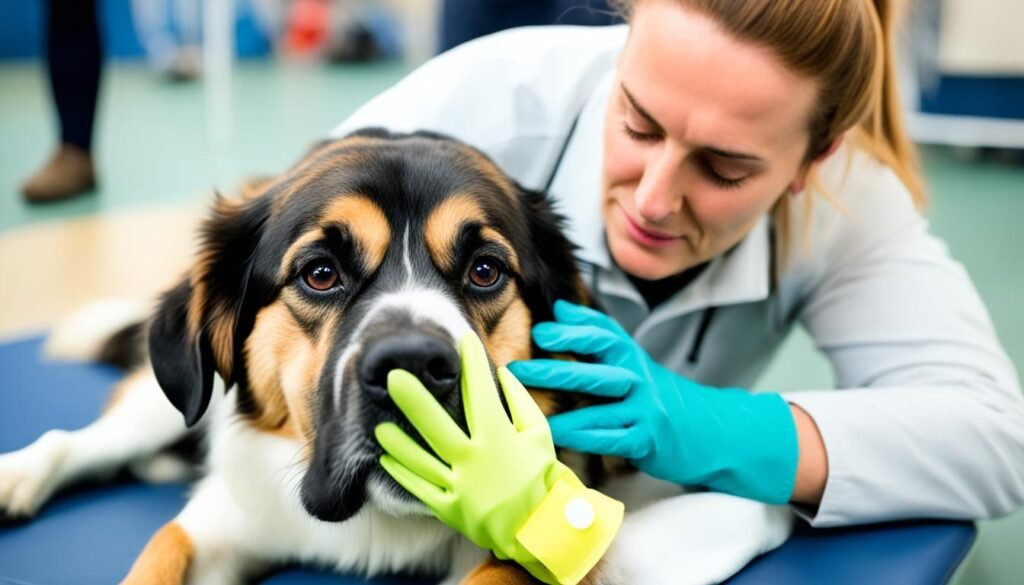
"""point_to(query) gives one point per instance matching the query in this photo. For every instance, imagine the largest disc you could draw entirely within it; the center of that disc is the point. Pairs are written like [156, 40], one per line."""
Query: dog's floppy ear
[551, 273]
[201, 324]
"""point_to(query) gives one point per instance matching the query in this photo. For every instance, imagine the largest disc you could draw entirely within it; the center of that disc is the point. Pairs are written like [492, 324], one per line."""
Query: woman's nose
[659, 193]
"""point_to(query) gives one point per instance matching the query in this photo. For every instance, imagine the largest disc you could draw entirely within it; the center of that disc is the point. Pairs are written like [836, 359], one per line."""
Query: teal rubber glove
[728, 440]
[501, 486]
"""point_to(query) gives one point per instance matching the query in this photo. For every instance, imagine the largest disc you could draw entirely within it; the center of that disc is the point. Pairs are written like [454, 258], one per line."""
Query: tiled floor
[158, 166]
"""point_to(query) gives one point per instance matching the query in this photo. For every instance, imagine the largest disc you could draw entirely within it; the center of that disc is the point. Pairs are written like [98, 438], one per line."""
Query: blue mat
[90, 535]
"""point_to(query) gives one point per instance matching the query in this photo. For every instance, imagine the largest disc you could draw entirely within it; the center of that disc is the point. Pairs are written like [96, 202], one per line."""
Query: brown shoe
[68, 173]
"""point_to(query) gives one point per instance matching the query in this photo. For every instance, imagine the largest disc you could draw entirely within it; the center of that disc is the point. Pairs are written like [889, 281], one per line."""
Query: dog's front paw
[29, 476]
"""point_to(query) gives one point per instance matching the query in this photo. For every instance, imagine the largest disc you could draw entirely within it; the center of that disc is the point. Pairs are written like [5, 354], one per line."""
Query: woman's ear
[201, 324]
[800, 182]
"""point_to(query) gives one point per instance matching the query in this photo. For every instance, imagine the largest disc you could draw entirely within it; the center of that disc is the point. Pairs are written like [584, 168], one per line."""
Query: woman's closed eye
[724, 174]
[640, 136]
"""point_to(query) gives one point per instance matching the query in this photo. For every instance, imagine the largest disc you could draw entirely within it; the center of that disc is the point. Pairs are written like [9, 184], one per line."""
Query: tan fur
[495, 572]
[365, 221]
[284, 364]
[361, 217]
[221, 320]
[443, 226]
[165, 560]
[510, 339]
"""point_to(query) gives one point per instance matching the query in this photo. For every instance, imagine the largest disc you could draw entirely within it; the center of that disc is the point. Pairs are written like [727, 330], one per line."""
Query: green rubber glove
[499, 485]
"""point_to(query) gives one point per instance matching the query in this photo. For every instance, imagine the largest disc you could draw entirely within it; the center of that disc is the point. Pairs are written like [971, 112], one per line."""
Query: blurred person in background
[169, 31]
[465, 20]
[74, 61]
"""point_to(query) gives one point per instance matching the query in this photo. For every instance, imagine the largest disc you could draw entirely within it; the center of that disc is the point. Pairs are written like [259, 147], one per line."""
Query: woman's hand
[668, 426]
[501, 486]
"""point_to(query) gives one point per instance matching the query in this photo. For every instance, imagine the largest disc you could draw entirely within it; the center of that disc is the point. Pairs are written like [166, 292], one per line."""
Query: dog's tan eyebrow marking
[443, 225]
[446, 221]
[363, 218]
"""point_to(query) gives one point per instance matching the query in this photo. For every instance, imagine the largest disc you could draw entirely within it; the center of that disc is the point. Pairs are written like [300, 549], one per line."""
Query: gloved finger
[616, 415]
[524, 410]
[597, 379]
[484, 411]
[410, 454]
[606, 346]
[437, 499]
[573, 314]
[614, 442]
[430, 418]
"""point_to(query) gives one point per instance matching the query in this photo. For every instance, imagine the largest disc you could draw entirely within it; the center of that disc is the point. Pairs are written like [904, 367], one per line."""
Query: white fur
[246, 514]
[423, 305]
[693, 539]
[80, 336]
[140, 424]
[248, 508]
[405, 256]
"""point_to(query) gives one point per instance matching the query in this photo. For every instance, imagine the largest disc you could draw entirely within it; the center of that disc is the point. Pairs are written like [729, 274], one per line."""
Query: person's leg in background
[74, 58]
[152, 19]
[187, 17]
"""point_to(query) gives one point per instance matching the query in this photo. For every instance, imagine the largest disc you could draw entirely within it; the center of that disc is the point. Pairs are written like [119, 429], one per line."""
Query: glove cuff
[765, 450]
[569, 531]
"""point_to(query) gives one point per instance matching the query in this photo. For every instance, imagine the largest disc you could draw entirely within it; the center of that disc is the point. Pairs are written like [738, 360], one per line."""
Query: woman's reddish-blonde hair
[846, 48]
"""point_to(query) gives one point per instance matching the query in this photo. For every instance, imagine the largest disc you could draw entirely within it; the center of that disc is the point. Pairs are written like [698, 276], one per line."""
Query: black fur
[126, 348]
[406, 176]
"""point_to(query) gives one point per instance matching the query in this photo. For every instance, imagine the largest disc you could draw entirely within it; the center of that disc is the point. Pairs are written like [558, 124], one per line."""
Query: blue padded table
[90, 535]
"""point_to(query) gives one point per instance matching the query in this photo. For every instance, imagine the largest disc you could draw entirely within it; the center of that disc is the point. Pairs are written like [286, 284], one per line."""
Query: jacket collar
[741, 275]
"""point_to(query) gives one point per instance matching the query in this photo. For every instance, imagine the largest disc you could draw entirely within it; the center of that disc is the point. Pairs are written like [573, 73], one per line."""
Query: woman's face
[702, 135]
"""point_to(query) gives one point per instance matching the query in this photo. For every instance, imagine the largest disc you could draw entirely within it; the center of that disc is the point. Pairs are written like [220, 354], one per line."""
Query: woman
[686, 153]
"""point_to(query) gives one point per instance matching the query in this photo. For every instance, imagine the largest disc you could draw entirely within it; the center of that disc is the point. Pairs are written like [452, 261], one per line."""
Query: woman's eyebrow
[742, 156]
[640, 110]
[733, 155]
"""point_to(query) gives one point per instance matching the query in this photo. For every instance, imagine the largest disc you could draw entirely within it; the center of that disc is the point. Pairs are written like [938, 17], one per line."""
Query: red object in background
[307, 26]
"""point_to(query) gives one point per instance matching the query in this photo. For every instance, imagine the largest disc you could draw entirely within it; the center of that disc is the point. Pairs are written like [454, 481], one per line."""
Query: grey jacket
[929, 419]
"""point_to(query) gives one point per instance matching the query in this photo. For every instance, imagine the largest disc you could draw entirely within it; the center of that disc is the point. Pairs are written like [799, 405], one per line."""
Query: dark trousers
[74, 58]
[464, 20]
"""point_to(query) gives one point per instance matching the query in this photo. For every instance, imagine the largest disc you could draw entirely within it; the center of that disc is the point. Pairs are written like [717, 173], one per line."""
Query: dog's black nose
[430, 358]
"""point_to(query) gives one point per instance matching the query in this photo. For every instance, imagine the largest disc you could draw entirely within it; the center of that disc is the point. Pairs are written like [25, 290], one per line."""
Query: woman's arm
[812, 465]
[930, 419]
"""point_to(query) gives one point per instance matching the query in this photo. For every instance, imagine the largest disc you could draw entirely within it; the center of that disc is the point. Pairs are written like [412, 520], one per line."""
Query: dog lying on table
[269, 359]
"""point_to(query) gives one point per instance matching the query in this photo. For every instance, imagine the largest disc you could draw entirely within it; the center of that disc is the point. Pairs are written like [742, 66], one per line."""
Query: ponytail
[884, 128]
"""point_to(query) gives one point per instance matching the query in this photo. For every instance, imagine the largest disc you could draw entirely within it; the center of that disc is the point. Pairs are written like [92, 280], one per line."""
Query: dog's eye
[320, 275]
[485, 272]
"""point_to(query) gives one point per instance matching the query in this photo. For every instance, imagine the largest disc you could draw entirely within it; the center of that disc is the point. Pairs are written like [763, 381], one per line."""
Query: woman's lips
[652, 239]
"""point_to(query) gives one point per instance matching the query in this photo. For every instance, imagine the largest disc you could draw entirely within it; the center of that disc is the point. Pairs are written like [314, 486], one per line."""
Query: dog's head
[375, 252]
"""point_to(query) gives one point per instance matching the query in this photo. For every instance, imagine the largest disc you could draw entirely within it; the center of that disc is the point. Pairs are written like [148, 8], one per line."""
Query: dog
[269, 359]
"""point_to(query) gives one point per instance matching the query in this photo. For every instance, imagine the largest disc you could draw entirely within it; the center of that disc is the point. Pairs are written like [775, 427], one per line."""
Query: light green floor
[153, 148]
[152, 145]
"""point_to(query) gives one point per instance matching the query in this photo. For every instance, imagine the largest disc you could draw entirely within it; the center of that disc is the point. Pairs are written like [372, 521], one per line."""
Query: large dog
[374, 252]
